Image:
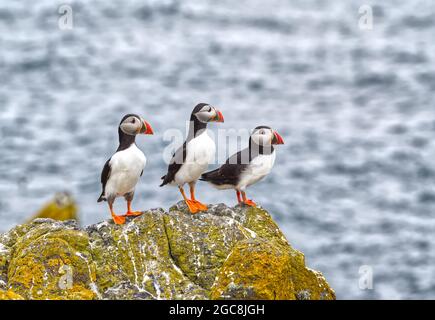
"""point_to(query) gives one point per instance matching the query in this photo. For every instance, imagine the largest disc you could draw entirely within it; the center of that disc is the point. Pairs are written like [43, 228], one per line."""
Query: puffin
[122, 171]
[247, 166]
[192, 158]
[62, 207]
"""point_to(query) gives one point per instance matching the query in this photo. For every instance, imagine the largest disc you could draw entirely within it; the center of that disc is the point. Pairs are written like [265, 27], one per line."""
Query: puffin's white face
[209, 113]
[134, 125]
[131, 126]
[266, 137]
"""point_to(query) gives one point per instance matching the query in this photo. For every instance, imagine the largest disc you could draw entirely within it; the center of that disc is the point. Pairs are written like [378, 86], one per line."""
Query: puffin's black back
[231, 171]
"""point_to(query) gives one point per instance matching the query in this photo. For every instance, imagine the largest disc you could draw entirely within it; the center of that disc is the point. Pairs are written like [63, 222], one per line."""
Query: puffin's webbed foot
[133, 214]
[199, 205]
[130, 212]
[193, 208]
[249, 203]
[118, 219]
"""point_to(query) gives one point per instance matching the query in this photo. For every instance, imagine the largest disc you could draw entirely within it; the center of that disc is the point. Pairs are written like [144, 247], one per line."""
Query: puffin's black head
[204, 113]
[132, 125]
[266, 136]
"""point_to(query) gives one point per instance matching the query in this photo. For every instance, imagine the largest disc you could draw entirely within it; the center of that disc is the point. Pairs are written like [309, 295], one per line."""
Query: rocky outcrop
[224, 253]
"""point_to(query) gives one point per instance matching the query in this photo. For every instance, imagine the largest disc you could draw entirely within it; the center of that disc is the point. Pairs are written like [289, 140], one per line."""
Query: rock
[224, 253]
[63, 207]
[9, 295]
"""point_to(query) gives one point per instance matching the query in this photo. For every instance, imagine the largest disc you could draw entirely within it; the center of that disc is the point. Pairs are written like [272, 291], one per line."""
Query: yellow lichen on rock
[200, 243]
[224, 253]
[267, 267]
[52, 261]
[255, 270]
[134, 261]
[9, 295]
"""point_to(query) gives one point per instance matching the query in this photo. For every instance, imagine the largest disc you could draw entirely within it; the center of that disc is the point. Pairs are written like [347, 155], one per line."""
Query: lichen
[224, 253]
[135, 259]
[9, 295]
[40, 257]
[255, 269]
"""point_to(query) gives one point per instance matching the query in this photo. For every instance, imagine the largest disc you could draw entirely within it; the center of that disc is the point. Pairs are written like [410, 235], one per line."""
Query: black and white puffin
[122, 171]
[248, 166]
[193, 157]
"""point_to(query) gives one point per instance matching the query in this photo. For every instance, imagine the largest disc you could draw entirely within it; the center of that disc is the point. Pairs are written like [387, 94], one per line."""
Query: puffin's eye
[262, 132]
[133, 121]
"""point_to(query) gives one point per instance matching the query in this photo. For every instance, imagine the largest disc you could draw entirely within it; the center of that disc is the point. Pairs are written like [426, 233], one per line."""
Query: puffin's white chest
[200, 152]
[257, 169]
[126, 168]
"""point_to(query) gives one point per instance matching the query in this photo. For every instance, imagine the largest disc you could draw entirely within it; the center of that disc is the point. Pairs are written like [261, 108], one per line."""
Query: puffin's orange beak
[219, 117]
[277, 139]
[146, 128]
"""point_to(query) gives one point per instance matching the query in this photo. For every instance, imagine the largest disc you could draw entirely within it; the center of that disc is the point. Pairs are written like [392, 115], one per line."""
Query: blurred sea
[352, 186]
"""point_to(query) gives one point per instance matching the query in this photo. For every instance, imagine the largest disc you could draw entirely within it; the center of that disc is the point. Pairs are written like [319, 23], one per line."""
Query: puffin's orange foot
[250, 203]
[200, 206]
[193, 208]
[133, 214]
[118, 219]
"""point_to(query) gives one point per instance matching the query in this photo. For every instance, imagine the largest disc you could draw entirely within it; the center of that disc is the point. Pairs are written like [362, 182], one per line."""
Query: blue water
[352, 186]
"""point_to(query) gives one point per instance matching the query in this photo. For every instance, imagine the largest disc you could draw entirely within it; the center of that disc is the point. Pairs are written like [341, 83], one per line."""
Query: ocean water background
[352, 186]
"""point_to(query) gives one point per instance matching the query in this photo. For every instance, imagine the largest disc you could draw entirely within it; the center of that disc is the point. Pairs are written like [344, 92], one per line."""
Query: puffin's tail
[101, 198]
[164, 181]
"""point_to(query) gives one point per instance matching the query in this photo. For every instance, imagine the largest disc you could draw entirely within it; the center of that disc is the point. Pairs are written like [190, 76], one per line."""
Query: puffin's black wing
[230, 172]
[105, 175]
[176, 162]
